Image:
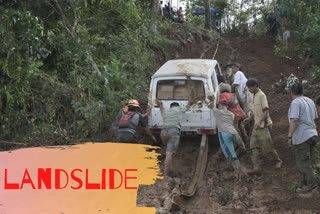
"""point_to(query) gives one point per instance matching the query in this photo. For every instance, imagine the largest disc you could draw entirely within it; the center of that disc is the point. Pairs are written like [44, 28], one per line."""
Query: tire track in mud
[220, 198]
[184, 164]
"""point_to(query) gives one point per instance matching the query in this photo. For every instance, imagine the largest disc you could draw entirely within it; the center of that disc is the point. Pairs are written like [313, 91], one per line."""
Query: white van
[176, 81]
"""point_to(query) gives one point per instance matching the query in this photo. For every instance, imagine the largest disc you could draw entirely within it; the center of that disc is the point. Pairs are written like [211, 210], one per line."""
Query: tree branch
[71, 30]
[75, 17]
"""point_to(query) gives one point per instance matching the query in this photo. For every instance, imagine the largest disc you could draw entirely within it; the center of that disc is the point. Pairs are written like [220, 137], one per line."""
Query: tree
[68, 66]
[207, 15]
[154, 14]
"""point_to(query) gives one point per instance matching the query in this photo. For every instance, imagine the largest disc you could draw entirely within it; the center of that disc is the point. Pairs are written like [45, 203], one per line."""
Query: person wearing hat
[170, 133]
[239, 85]
[228, 135]
[127, 121]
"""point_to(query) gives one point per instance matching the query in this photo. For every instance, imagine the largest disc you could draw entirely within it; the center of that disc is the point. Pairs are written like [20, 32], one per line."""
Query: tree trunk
[208, 15]
[154, 13]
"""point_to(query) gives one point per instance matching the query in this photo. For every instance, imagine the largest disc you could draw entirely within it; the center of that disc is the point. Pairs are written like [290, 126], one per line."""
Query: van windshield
[180, 90]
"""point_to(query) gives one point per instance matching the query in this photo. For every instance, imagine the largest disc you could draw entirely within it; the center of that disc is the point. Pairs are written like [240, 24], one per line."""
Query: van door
[179, 90]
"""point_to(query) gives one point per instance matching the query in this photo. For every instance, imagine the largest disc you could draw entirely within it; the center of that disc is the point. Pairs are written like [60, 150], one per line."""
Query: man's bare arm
[147, 112]
[292, 126]
[159, 103]
[234, 87]
[211, 99]
[149, 133]
[237, 94]
[190, 103]
[249, 119]
[264, 117]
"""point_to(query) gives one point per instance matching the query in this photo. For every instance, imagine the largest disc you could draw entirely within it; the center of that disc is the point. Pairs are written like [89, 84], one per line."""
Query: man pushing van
[170, 133]
[127, 121]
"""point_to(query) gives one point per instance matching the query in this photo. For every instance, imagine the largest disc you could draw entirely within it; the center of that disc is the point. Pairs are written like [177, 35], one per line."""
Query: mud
[219, 192]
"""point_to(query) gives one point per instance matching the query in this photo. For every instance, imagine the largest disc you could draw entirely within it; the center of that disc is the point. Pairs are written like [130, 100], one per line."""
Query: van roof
[186, 67]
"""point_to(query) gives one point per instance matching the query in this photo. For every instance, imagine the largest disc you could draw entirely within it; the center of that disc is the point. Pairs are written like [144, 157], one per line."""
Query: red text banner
[86, 178]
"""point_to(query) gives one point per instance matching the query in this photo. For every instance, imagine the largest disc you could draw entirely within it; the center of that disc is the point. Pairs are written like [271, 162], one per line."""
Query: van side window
[220, 78]
[213, 83]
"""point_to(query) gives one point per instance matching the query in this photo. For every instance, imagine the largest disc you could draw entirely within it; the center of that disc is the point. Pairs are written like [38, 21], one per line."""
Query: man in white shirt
[239, 85]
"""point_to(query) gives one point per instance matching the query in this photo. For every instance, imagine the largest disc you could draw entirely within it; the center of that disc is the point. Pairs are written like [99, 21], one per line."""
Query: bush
[304, 24]
[57, 87]
[312, 86]
[262, 28]
[195, 20]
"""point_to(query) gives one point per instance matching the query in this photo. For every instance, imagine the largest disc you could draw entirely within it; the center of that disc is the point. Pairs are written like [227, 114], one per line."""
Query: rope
[215, 53]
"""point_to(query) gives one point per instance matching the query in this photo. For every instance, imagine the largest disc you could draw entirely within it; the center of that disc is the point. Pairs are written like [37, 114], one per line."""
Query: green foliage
[244, 15]
[281, 49]
[312, 86]
[262, 28]
[66, 74]
[22, 54]
[304, 24]
[198, 3]
[220, 5]
[315, 73]
[196, 20]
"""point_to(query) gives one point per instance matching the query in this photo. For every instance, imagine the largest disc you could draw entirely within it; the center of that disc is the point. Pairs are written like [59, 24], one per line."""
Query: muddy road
[273, 192]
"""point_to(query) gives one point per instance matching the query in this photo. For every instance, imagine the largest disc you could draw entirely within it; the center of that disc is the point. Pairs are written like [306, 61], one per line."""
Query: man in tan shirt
[261, 141]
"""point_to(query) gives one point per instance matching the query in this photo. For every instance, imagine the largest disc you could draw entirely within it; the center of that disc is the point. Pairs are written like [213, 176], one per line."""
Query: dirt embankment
[218, 193]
